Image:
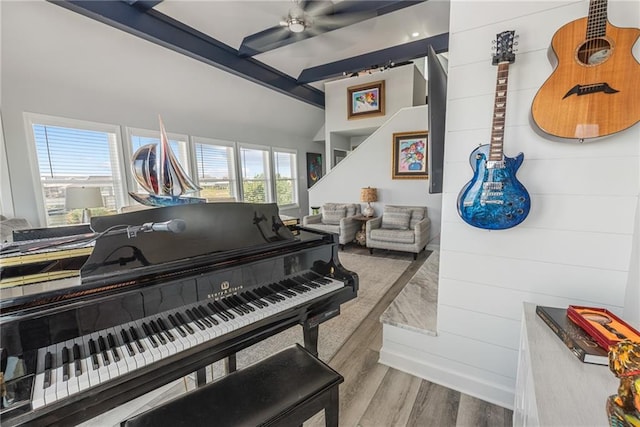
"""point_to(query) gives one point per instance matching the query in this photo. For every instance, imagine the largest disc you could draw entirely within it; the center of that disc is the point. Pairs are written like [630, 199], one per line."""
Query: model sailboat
[161, 175]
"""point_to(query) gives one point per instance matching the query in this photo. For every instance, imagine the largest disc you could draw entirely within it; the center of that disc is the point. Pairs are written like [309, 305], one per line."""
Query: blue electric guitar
[494, 199]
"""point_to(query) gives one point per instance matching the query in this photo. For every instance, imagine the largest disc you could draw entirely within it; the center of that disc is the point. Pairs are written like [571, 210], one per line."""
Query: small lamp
[368, 195]
[83, 198]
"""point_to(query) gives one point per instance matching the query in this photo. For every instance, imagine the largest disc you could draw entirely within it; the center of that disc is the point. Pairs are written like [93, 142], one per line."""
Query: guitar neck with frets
[595, 89]
[494, 199]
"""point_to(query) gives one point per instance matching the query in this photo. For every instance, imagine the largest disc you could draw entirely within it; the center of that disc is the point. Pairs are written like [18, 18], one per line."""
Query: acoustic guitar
[595, 89]
[494, 199]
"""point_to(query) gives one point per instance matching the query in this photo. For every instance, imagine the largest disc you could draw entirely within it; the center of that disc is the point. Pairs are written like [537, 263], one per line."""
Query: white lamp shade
[83, 197]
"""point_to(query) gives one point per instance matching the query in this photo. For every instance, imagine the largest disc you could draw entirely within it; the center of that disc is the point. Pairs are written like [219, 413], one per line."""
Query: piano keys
[141, 317]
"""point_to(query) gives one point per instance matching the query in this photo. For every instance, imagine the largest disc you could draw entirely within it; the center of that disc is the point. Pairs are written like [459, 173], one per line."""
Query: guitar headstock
[505, 41]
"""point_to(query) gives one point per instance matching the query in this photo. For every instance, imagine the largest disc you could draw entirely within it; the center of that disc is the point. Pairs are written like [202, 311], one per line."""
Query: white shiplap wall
[574, 247]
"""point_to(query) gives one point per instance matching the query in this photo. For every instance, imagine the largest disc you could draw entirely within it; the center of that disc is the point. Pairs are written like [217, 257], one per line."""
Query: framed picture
[366, 100]
[410, 155]
[314, 168]
[338, 156]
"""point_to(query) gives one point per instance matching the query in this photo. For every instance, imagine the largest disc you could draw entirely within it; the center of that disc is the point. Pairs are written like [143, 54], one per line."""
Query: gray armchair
[400, 228]
[335, 218]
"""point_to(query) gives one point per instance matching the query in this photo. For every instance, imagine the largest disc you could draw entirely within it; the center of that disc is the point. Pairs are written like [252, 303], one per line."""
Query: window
[178, 144]
[74, 153]
[215, 163]
[255, 174]
[284, 168]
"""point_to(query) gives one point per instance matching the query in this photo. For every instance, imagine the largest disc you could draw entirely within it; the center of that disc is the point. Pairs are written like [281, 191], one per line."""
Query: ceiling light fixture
[296, 25]
[416, 34]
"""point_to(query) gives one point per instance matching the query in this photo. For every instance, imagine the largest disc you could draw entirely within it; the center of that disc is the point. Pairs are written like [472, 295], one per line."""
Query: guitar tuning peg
[515, 43]
[493, 42]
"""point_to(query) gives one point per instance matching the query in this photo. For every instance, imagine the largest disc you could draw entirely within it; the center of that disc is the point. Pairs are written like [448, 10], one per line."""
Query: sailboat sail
[161, 175]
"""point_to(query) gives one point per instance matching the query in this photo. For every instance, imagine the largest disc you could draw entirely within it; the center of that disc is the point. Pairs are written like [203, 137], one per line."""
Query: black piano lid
[214, 232]
[210, 228]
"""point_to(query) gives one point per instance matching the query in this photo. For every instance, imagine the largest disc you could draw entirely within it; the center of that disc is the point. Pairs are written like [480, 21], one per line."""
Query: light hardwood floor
[374, 395]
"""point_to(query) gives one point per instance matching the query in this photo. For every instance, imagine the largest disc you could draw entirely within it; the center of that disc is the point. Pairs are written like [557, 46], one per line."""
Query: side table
[361, 235]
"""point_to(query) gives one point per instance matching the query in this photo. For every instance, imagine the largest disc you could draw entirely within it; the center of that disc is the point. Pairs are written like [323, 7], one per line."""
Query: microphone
[172, 226]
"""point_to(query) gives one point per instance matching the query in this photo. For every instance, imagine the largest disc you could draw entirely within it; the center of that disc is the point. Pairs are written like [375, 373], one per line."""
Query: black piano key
[114, 348]
[103, 350]
[201, 317]
[207, 314]
[156, 330]
[223, 310]
[281, 290]
[127, 342]
[241, 305]
[166, 330]
[77, 360]
[136, 339]
[269, 295]
[176, 325]
[195, 320]
[290, 286]
[230, 306]
[93, 352]
[256, 299]
[48, 361]
[184, 323]
[217, 311]
[149, 334]
[65, 364]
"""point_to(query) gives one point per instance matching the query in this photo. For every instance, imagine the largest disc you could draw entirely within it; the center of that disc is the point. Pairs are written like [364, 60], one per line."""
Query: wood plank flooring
[374, 395]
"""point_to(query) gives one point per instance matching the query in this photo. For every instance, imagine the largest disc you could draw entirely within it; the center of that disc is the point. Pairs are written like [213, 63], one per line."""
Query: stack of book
[575, 338]
[589, 332]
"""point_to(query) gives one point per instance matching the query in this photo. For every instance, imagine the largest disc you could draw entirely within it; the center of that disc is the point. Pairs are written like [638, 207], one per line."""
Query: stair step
[415, 307]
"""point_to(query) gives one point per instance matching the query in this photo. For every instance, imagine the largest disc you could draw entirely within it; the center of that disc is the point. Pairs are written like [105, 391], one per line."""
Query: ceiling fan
[309, 18]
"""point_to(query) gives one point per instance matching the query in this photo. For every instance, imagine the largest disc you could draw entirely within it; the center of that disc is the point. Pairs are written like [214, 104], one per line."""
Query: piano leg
[230, 364]
[201, 377]
[310, 334]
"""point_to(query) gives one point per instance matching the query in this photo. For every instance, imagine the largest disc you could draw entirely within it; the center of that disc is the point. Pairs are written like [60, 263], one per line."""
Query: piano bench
[285, 389]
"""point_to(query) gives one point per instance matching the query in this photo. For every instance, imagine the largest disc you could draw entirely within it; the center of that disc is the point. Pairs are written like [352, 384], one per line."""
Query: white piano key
[90, 377]
[72, 382]
[61, 384]
[38, 387]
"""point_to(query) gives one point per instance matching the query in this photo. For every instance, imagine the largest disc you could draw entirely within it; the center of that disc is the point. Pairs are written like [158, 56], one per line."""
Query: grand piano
[164, 293]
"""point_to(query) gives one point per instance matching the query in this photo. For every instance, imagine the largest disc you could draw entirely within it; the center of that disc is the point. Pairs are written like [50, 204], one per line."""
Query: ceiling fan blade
[323, 16]
[340, 20]
[269, 39]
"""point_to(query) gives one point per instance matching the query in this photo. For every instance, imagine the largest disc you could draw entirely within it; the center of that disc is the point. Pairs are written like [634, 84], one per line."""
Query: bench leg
[331, 411]
[310, 335]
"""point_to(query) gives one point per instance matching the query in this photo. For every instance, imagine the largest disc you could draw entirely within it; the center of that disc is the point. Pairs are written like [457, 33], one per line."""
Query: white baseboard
[476, 387]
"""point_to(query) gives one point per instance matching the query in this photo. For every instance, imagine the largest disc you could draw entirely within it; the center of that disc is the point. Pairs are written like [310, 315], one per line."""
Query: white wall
[575, 245]
[402, 86]
[369, 165]
[57, 62]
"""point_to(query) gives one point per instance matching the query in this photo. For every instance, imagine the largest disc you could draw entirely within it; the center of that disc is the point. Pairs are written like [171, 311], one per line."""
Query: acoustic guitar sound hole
[594, 52]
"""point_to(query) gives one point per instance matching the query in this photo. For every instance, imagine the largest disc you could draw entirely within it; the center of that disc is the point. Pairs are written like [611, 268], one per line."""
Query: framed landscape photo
[410, 155]
[366, 100]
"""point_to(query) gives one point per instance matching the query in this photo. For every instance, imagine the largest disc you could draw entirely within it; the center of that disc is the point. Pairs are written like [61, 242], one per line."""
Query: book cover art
[577, 340]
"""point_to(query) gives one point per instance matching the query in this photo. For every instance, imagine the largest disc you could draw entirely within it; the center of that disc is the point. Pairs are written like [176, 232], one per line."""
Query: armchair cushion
[394, 236]
[396, 218]
[333, 216]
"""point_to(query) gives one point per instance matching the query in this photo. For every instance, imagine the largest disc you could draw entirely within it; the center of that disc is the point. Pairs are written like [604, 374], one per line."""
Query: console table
[553, 387]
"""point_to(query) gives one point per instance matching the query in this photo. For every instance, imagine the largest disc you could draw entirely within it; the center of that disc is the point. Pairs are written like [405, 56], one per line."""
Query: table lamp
[368, 195]
[83, 198]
